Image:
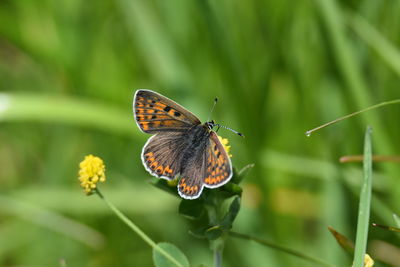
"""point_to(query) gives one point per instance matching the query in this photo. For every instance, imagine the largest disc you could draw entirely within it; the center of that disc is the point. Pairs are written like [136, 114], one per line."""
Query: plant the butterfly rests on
[181, 145]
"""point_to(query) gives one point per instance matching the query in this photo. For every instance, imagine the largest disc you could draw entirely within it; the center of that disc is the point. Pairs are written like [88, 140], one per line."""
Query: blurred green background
[68, 72]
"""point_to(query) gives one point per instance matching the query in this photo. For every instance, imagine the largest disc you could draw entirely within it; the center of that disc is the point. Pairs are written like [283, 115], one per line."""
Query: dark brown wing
[161, 155]
[219, 166]
[157, 113]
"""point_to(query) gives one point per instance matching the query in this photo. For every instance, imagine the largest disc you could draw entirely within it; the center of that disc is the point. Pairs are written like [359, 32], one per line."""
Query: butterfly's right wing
[162, 153]
[211, 167]
[157, 113]
[219, 166]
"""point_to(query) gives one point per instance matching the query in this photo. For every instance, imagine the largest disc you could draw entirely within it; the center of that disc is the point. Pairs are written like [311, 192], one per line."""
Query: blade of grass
[156, 202]
[365, 203]
[349, 67]
[78, 112]
[388, 52]
[152, 38]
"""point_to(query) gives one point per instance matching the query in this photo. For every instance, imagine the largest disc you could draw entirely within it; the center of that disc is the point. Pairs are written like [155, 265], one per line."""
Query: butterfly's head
[210, 124]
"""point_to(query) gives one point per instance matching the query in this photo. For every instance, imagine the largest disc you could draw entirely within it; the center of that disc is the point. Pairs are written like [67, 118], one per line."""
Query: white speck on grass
[4, 103]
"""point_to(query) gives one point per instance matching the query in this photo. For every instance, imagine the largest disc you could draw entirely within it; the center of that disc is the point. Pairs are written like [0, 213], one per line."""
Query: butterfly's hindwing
[162, 154]
[219, 167]
[156, 113]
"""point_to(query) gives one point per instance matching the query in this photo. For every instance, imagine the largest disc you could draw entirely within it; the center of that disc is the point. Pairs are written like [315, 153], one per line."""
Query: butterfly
[181, 146]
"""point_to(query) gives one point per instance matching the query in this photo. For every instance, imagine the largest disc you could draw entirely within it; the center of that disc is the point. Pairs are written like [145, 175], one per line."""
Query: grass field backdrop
[68, 72]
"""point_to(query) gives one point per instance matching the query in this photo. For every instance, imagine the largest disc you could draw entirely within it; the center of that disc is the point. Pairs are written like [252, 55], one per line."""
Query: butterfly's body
[196, 140]
[181, 145]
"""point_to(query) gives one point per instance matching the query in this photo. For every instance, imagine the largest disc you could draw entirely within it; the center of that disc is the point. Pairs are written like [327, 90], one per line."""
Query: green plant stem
[137, 230]
[217, 245]
[281, 248]
[218, 254]
[396, 101]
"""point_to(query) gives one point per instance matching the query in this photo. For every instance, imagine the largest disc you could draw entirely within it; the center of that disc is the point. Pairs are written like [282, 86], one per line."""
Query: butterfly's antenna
[212, 109]
[230, 129]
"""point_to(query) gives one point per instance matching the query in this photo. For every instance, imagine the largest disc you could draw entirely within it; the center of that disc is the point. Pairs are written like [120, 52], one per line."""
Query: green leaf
[238, 176]
[211, 233]
[365, 203]
[246, 169]
[192, 209]
[230, 216]
[174, 251]
[231, 189]
[343, 241]
[199, 232]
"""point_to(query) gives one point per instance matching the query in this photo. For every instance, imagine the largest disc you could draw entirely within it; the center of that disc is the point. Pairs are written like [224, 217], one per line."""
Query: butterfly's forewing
[156, 113]
[219, 166]
[162, 154]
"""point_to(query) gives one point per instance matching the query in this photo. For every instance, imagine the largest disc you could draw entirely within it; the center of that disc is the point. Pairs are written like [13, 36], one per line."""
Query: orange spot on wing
[160, 105]
[154, 165]
[159, 170]
[145, 126]
[167, 170]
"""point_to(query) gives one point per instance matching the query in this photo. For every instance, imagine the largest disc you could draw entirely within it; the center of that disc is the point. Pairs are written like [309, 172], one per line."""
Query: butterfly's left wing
[219, 166]
[157, 113]
[161, 155]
